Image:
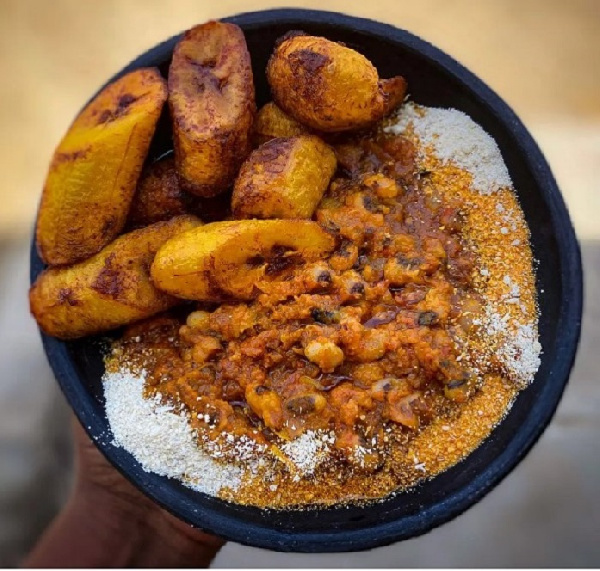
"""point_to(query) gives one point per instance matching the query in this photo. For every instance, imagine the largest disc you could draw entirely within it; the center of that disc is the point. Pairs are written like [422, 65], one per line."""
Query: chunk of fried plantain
[271, 122]
[231, 258]
[159, 197]
[211, 97]
[329, 87]
[94, 171]
[108, 290]
[182, 267]
[284, 178]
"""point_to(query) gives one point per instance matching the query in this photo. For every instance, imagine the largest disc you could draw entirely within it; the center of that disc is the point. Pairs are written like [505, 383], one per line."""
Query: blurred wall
[540, 55]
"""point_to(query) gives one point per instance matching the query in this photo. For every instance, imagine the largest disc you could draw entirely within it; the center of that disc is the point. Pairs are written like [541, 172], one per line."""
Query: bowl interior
[434, 79]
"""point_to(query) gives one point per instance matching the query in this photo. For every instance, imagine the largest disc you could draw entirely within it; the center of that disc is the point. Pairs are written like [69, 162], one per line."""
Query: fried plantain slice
[232, 257]
[329, 87]
[94, 171]
[284, 178]
[110, 289]
[271, 122]
[158, 196]
[211, 97]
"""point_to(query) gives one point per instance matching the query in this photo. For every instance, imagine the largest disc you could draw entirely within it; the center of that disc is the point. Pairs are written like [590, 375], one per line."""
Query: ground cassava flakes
[379, 366]
[159, 437]
[455, 139]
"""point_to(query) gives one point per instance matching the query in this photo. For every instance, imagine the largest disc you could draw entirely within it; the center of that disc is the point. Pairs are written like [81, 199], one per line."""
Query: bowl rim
[249, 533]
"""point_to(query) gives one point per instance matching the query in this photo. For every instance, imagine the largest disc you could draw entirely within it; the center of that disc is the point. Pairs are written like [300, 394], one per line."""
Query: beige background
[542, 56]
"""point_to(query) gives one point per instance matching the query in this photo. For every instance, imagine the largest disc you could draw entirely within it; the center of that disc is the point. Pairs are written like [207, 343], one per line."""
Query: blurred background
[541, 56]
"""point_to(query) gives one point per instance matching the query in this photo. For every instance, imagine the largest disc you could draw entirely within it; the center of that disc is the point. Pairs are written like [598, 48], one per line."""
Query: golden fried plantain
[284, 178]
[108, 290]
[182, 267]
[211, 97]
[272, 122]
[329, 87]
[232, 258]
[394, 91]
[92, 176]
[158, 196]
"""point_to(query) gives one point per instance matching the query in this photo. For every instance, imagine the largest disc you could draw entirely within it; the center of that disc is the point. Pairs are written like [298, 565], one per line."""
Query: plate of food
[306, 281]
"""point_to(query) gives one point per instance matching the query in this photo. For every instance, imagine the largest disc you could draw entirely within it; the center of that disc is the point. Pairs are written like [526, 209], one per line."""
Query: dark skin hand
[109, 523]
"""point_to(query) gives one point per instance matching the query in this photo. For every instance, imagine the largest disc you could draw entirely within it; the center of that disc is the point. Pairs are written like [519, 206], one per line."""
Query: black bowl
[434, 79]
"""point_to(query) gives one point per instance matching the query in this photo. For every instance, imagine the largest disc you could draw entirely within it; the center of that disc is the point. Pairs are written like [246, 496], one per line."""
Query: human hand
[107, 522]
